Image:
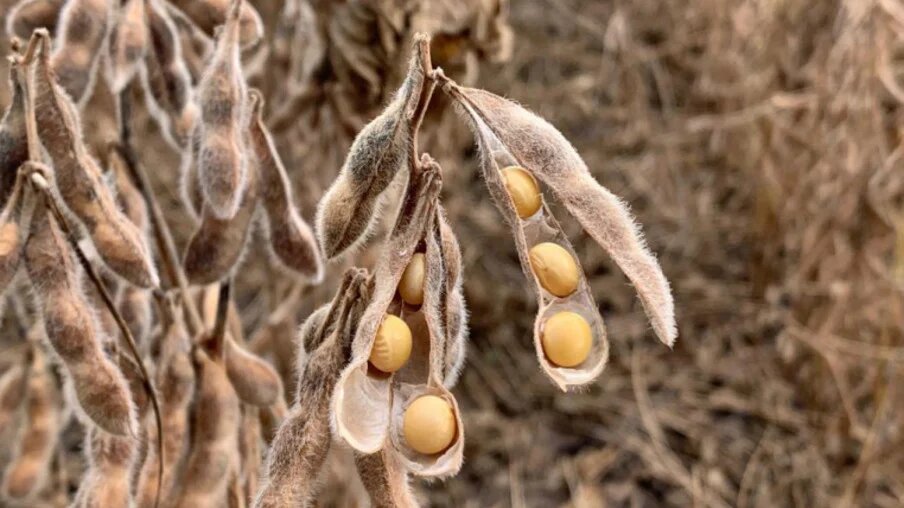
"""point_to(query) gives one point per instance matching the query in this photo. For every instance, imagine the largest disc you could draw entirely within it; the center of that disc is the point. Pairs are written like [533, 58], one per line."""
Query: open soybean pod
[213, 455]
[209, 14]
[128, 43]
[301, 444]
[78, 177]
[509, 135]
[425, 424]
[166, 79]
[535, 143]
[81, 34]
[454, 313]
[13, 139]
[351, 206]
[26, 471]
[27, 15]
[72, 329]
[220, 157]
[363, 397]
[291, 239]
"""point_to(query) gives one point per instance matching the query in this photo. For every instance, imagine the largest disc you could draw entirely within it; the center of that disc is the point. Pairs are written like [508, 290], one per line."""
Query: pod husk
[351, 206]
[217, 245]
[362, 401]
[291, 239]
[424, 373]
[209, 14]
[128, 44]
[540, 148]
[82, 31]
[78, 177]
[220, 156]
[167, 82]
[541, 227]
[27, 15]
[303, 441]
[13, 138]
[255, 381]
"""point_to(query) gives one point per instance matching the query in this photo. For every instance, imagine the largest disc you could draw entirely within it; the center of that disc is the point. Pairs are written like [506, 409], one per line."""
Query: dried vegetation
[189, 187]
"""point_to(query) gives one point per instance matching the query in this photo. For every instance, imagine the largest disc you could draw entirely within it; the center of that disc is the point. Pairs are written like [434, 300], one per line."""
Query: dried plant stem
[43, 186]
[423, 49]
[162, 235]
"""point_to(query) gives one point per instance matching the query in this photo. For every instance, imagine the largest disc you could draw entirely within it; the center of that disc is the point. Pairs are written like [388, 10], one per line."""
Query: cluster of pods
[178, 409]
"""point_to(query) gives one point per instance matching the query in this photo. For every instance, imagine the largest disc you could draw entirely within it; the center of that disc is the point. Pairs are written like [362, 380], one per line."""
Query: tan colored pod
[300, 447]
[255, 381]
[349, 209]
[209, 14]
[79, 179]
[429, 424]
[411, 287]
[128, 44]
[13, 138]
[530, 141]
[392, 345]
[106, 481]
[424, 453]
[27, 15]
[567, 339]
[523, 189]
[551, 268]
[555, 268]
[361, 406]
[26, 470]
[81, 33]
[166, 79]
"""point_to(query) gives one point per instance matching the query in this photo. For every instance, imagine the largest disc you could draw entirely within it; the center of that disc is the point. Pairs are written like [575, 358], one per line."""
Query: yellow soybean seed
[567, 339]
[411, 286]
[429, 425]
[523, 189]
[555, 268]
[392, 345]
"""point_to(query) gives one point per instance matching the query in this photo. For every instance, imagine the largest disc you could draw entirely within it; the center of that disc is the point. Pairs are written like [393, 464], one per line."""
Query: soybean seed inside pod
[555, 268]
[392, 345]
[523, 189]
[429, 425]
[567, 339]
[411, 286]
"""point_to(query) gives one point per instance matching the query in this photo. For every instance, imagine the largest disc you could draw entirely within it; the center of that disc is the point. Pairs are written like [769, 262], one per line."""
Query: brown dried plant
[302, 443]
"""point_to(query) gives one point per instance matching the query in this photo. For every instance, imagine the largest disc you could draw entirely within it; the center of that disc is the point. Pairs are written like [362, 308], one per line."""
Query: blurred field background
[759, 144]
